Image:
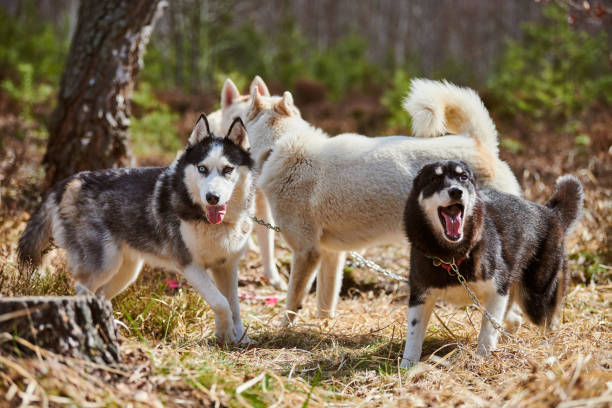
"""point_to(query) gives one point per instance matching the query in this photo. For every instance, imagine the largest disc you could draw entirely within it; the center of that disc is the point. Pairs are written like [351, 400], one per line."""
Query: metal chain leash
[265, 224]
[455, 271]
[361, 261]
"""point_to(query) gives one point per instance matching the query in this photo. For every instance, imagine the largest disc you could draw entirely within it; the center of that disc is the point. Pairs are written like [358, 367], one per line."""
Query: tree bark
[74, 326]
[89, 128]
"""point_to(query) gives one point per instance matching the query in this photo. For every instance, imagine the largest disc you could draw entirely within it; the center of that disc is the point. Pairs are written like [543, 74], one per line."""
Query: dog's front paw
[226, 335]
[287, 319]
[484, 350]
[278, 283]
[274, 278]
[407, 363]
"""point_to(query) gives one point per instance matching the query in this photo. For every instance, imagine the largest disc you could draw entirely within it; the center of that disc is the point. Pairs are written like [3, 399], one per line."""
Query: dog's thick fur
[509, 249]
[234, 105]
[330, 195]
[110, 221]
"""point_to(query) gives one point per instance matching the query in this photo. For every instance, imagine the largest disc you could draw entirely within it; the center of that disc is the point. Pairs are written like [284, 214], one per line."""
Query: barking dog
[234, 105]
[508, 249]
[190, 217]
[330, 195]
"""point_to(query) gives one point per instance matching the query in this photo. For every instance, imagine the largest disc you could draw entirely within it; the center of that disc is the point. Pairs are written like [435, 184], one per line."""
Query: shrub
[554, 70]
[154, 133]
[344, 66]
[24, 39]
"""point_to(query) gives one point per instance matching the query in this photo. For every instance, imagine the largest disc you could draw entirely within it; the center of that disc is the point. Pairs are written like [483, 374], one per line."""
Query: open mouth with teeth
[451, 218]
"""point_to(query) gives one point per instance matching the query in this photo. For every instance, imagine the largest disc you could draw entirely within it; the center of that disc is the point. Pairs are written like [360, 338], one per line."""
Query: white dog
[331, 195]
[233, 105]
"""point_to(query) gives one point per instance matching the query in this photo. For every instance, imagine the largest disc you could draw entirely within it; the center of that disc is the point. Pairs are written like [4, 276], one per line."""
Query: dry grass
[171, 359]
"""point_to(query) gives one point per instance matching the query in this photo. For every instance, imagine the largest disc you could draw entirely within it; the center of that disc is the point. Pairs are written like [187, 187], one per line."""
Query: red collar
[444, 264]
[447, 266]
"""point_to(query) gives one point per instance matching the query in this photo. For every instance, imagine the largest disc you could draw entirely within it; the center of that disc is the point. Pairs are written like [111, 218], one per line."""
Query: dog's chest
[211, 244]
[459, 296]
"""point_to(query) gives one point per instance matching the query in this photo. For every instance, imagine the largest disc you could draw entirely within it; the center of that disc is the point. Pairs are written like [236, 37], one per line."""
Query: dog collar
[444, 264]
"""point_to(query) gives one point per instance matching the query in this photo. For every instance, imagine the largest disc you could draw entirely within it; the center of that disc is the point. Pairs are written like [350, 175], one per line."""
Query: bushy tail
[567, 200]
[439, 108]
[35, 238]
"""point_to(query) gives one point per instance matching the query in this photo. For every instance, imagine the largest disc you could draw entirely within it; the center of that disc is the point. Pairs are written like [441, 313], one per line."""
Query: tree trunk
[74, 326]
[89, 127]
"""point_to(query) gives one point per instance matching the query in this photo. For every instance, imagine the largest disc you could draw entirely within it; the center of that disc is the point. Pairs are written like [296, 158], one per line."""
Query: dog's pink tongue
[215, 213]
[452, 218]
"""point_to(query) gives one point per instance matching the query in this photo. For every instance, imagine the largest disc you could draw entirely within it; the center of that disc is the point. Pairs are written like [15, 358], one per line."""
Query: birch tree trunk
[89, 128]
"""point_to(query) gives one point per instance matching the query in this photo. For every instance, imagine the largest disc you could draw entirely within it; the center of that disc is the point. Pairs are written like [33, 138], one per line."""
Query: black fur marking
[142, 207]
[507, 239]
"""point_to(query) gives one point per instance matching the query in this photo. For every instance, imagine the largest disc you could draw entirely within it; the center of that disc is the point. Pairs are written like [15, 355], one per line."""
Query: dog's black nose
[455, 193]
[212, 198]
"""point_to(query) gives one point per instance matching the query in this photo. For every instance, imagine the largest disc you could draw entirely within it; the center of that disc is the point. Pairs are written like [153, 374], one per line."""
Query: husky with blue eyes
[192, 217]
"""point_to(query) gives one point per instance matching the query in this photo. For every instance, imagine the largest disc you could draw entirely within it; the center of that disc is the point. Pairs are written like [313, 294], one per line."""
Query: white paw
[242, 338]
[513, 322]
[226, 335]
[279, 284]
[287, 319]
[407, 363]
[324, 314]
[275, 279]
[484, 350]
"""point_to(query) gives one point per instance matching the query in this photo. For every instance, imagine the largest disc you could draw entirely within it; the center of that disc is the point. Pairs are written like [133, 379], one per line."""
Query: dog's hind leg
[513, 317]
[226, 278]
[125, 276]
[303, 266]
[98, 268]
[265, 239]
[487, 339]
[329, 281]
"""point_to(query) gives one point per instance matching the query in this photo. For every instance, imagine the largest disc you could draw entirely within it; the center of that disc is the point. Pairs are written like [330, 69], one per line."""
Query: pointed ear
[237, 133]
[260, 85]
[285, 106]
[256, 103]
[229, 93]
[200, 131]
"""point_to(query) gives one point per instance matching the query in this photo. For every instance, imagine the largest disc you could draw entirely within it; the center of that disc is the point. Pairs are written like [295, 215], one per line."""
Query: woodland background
[543, 69]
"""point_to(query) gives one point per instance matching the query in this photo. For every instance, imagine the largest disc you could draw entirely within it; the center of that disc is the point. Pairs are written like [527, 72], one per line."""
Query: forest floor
[169, 357]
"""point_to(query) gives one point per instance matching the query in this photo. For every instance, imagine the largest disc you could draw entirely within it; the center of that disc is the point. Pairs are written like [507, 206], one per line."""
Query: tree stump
[75, 326]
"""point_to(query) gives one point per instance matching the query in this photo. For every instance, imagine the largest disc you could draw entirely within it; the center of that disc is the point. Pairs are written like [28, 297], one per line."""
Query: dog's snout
[212, 198]
[455, 193]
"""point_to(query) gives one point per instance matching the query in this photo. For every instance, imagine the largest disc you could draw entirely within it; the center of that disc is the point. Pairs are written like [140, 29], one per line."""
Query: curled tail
[36, 237]
[567, 200]
[439, 108]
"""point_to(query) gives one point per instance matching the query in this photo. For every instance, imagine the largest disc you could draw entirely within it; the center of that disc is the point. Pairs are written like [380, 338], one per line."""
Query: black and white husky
[507, 248]
[192, 216]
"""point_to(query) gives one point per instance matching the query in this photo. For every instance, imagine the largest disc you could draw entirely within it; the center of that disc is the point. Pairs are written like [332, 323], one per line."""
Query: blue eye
[463, 177]
[203, 170]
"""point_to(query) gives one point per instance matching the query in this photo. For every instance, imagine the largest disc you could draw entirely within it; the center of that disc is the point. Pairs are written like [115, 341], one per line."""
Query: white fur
[215, 182]
[442, 198]
[415, 334]
[428, 100]
[347, 192]
[233, 105]
[486, 292]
